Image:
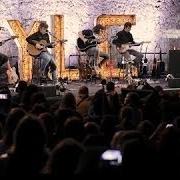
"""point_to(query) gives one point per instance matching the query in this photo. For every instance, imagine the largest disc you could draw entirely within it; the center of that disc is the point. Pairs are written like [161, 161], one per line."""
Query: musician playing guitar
[7, 74]
[3, 57]
[88, 42]
[47, 60]
[124, 41]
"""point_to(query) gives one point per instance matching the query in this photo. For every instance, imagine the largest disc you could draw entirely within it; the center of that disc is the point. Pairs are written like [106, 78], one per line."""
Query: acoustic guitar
[84, 46]
[124, 47]
[11, 72]
[12, 76]
[160, 64]
[33, 51]
[6, 40]
[154, 65]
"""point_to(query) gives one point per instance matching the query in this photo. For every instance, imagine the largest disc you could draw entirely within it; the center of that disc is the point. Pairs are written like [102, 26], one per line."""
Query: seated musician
[7, 75]
[47, 60]
[124, 38]
[88, 42]
[4, 66]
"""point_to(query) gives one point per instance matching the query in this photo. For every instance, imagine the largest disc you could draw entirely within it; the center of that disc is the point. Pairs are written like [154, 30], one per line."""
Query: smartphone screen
[3, 96]
[114, 157]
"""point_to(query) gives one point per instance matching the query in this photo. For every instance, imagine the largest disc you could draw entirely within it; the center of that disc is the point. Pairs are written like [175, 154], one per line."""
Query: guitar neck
[6, 40]
[137, 44]
[48, 44]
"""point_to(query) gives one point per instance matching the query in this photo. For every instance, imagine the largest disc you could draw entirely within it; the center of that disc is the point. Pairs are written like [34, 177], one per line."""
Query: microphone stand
[50, 33]
[144, 69]
[154, 68]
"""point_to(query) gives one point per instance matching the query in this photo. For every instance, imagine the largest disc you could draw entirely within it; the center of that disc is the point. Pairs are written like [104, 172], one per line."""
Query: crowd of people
[67, 138]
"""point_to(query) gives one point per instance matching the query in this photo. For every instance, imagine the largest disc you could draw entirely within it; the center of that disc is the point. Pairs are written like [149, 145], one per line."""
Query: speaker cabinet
[48, 90]
[174, 83]
[174, 63]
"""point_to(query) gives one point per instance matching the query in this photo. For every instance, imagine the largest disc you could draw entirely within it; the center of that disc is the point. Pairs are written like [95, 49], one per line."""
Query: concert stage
[95, 86]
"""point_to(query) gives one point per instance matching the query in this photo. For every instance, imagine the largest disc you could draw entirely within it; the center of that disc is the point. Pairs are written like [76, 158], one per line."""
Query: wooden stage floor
[94, 87]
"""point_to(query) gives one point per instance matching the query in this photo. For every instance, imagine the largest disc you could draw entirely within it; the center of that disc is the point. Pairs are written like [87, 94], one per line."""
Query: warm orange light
[58, 31]
[114, 20]
[25, 58]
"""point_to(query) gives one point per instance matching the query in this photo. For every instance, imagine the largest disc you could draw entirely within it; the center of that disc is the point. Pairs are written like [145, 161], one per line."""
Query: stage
[93, 86]
[73, 86]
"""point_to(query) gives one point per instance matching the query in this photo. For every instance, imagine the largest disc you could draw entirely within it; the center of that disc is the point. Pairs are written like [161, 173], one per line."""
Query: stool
[129, 73]
[127, 69]
[86, 70]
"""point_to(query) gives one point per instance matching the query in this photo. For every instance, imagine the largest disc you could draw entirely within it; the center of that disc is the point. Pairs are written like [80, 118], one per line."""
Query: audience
[68, 138]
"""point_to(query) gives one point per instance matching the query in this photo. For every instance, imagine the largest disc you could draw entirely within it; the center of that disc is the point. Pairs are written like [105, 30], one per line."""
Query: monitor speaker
[174, 63]
[174, 83]
[48, 90]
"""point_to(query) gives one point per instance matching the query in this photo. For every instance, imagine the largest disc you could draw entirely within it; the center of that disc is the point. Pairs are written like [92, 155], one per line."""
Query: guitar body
[85, 46]
[33, 51]
[12, 76]
[123, 48]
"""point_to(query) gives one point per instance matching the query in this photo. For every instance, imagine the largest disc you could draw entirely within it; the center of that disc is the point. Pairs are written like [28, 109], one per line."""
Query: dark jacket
[38, 36]
[124, 37]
